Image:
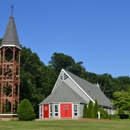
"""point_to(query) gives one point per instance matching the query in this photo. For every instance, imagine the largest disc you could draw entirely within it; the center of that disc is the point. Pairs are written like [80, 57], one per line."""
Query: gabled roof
[10, 38]
[71, 88]
[90, 89]
[63, 94]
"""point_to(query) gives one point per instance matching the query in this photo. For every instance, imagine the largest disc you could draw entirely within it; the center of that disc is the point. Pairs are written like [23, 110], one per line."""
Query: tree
[37, 79]
[91, 77]
[90, 109]
[85, 111]
[122, 100]
[26, 111]
[78, 69]
[31, 86]
[123, 82]
[96, 108]
[61, 61]
[120, 111]
[48, 79]
[107, 85]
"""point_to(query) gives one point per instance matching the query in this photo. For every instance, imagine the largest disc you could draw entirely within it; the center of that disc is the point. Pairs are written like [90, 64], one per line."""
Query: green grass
[66, 125]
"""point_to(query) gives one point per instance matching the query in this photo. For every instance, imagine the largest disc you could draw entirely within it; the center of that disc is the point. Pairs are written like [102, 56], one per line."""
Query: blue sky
[96, 32]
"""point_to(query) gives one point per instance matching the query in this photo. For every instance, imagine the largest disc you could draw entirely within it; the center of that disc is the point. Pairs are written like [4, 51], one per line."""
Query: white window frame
[75, 111]
[56, 112]
[51, 110]
[41, 112]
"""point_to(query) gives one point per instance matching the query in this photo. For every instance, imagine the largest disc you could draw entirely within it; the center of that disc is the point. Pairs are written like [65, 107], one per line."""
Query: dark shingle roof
[11, 37]
[92, 90]
[63, 93]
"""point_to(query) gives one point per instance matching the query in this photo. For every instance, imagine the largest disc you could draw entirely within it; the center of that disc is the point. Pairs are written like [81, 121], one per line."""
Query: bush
[90, 110]
[103, 113]
[114, 117]
[85, 111]
[123, 116]
[96, 108]
[26, 111]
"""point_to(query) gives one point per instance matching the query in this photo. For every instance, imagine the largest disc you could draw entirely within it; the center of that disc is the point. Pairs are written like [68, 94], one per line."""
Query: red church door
[46, 111]
[66, 110]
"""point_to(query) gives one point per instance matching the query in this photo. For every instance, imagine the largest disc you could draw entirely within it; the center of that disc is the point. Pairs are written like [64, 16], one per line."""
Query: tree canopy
[37, 79]
[122, 100]
[61, 61]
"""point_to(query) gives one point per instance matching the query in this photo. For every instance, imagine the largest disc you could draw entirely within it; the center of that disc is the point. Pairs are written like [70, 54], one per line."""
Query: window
[50, 110]
[75, 110]
[61, 77]
[56, 110]
[40, 111]
[65, 76]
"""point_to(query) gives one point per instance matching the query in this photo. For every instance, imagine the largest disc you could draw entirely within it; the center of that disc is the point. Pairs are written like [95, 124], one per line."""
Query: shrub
[90, 110]
[85, 111]
[103, 113]
[96, 108]
[114, 117]
[26, 111]
[123, 116]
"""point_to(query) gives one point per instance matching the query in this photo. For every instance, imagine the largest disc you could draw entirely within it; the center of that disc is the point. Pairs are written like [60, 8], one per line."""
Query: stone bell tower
[9, 70]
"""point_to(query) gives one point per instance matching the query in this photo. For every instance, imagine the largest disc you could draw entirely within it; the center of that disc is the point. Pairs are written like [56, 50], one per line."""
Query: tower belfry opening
[9, 70]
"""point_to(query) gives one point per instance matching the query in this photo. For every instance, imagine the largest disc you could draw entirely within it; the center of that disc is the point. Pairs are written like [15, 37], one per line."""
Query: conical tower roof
[10, 38]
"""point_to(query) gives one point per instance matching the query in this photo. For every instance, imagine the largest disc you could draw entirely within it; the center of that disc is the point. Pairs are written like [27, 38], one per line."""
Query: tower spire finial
[12, 7]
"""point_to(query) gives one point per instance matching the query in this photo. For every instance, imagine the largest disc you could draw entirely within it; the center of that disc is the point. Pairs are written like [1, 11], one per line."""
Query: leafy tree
[48, 79]
[123, 82]
[90, 110]
[91, 77]
[60, 60]
[122, 100]
[120, 111]
[37, 79]
[78, 69]
[26, 111]
[85, 111]
[31, 78]
[96, 108]
[107, 85]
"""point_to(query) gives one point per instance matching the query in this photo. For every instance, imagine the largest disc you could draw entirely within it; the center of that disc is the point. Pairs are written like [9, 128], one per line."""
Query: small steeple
[10, 38]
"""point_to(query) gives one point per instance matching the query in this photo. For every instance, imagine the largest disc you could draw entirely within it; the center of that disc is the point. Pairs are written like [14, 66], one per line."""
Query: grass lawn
[66, 125]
